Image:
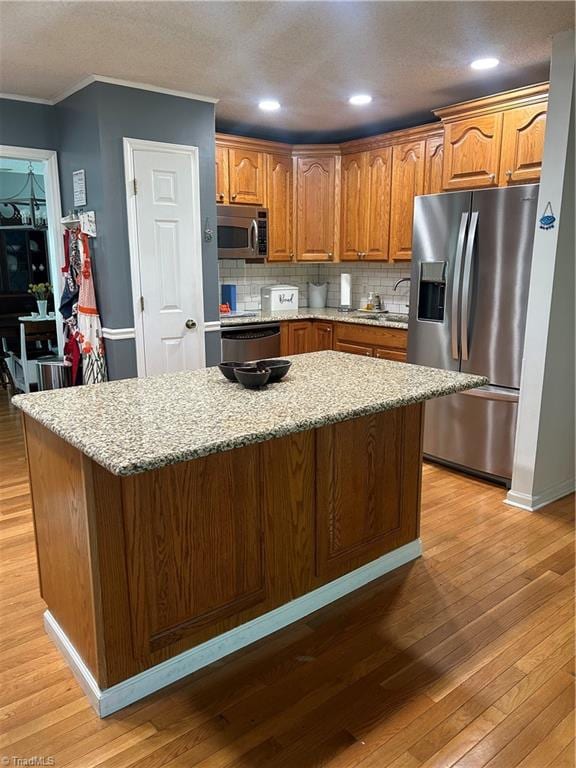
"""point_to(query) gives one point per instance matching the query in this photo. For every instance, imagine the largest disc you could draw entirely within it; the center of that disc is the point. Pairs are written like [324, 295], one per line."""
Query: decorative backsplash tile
[379, 278]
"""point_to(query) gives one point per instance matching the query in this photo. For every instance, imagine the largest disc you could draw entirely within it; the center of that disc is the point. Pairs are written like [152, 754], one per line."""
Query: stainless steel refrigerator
[471, 260]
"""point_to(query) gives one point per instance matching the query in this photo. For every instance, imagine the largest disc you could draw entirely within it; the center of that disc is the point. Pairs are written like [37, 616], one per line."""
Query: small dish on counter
[252, 376]
[278, 368]
[227, 368]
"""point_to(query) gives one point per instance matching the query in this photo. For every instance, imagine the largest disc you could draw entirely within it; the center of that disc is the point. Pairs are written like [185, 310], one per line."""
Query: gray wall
[25, 124]
[87, 129]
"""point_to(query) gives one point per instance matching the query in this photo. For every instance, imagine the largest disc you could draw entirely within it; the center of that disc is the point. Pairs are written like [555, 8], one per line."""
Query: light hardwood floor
[464, 658]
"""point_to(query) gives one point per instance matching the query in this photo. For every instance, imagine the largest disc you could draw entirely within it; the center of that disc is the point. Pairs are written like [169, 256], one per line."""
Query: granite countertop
[136, 425]
[329, 313]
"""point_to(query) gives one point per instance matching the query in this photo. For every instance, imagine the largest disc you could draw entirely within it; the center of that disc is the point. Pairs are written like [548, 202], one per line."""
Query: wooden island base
[152, 576]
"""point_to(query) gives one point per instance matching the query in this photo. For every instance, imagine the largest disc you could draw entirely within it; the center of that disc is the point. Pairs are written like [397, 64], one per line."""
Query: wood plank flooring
[464, 658]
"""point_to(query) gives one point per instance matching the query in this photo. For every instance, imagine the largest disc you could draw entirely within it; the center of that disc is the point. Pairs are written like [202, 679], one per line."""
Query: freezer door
[495, 281]
[439, 237]
[474, 430]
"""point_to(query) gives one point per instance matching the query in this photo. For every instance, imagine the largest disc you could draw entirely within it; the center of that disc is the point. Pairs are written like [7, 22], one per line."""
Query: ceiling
[311, 56]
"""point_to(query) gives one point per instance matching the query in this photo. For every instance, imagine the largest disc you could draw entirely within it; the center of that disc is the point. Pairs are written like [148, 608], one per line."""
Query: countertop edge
[134, 468]
[309, 314]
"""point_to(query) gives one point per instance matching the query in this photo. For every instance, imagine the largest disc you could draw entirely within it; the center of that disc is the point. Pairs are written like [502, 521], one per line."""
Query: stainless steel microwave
[242, 232]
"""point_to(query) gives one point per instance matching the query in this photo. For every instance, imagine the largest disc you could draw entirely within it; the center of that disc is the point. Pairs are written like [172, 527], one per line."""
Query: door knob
[190, 324]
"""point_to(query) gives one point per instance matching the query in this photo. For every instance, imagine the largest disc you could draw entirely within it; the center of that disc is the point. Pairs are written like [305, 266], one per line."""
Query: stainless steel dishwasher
[251, 342]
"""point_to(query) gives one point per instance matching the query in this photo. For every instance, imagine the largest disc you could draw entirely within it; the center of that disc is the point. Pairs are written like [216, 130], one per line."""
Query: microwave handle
[254, 237]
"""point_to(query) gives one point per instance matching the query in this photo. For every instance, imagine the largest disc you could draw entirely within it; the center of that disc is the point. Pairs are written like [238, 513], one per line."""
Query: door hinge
[142, 303]
[135, 186]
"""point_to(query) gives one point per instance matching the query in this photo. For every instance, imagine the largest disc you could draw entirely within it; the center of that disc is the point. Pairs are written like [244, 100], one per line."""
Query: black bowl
[252, 377]
[227, 369]
[278, 368]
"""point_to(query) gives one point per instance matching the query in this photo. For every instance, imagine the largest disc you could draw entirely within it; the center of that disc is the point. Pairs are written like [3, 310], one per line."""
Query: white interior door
[169, 311]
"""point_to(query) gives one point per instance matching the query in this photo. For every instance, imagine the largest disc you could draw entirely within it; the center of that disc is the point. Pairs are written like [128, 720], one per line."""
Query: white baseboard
[110, 700]
[533, 502]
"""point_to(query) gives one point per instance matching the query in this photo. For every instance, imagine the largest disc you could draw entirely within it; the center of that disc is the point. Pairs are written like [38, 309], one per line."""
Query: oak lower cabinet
[323, 335]
[280, 210]
[371, 341]
[523, 133]
[317, 203]
[407, 183]
[296, 337]
[137, 569]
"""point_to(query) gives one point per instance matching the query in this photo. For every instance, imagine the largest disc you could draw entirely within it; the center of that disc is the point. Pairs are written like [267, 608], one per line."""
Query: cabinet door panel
[183, 588]
[376, 204]
[323, 336]
[222, 186]
[299, 338]
[434, 164]
[316, 208]
[390, 354]
[407, 182]
[247, 176]
[358, 488]
[522, 144]
[472, 152]
[353, 213]
[353, 349]
[280, 193]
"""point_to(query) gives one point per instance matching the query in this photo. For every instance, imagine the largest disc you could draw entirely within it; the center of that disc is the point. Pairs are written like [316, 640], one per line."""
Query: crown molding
[111, 81]
[497, 102]
[31, 99]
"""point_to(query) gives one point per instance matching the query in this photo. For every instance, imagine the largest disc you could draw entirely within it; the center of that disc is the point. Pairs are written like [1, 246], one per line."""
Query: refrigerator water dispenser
[432, 290]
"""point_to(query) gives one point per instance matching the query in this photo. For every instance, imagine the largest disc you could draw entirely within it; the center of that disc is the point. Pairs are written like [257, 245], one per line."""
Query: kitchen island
[181, 517]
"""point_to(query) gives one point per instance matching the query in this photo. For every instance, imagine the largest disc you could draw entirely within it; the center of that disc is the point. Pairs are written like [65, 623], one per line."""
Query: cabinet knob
[292, 256]
[509, 174]
[234, 196]
[330, 254]
[221, 195]
[492, 176]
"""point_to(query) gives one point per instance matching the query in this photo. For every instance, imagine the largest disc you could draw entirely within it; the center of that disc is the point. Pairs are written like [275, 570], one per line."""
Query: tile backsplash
[379, 278]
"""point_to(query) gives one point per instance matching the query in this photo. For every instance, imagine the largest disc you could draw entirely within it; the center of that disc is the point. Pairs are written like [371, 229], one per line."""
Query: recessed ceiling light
[488, 63]
[269, 105]
[360, 99]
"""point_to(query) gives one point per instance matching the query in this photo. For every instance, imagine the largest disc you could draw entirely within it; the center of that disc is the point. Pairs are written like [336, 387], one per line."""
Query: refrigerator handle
[465, 316]
[456, 285]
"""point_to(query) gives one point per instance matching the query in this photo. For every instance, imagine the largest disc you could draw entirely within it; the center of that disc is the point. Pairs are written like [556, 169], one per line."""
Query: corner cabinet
[317, 202]
[280, 207]
[495, 141]
[407, 183]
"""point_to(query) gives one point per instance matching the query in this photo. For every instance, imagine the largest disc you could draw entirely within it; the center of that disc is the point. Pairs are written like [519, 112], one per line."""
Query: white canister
[317, 295]
[279, 298]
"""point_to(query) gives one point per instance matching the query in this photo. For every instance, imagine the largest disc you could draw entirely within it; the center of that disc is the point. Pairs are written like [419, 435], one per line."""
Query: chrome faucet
[403, 280]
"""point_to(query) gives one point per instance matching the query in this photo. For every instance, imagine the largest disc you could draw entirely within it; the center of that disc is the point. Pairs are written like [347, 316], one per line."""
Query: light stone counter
[329, 313]
[136, 425]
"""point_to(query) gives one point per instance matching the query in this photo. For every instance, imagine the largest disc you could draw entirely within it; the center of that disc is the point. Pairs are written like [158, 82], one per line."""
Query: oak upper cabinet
[280, 194]
[434, 164]
[472, 148]
[317, 195]
[247, 170]
[523, 132]
[222, 185]
[407, 182]
[495, 141]
[378, 176]
[353, 222]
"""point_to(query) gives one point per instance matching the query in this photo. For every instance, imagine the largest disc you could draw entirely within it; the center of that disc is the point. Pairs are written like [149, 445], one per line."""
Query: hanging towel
[90, 338]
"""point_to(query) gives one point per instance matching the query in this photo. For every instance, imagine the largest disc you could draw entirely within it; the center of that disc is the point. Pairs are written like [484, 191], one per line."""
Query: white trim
[129, 84]
[53, 213]
[31, 99]
[150, 146]
[532, 503]
[115, 334]
[212, 325]
[110, 700]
